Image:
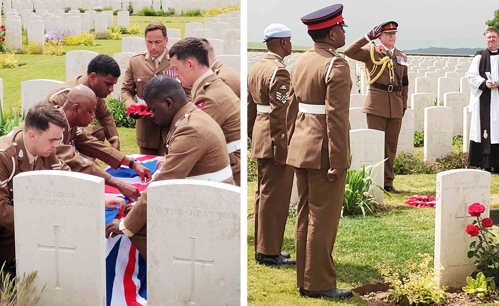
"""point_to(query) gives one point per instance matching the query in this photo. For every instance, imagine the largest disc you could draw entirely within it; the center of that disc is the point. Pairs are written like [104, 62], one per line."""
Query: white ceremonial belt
[233, 146]
[317, 109]
[217, 176]
[139, 100]
[264, 109]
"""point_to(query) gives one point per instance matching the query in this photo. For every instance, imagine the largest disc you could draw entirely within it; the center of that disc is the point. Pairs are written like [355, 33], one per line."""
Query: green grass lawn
[53, 67]
[392, 237]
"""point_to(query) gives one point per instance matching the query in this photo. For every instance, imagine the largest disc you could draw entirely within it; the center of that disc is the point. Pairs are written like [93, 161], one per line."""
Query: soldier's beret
[276, 30]
[324, 18]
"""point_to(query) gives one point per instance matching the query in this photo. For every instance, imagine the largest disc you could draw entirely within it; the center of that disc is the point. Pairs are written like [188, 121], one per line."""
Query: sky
[422, 23]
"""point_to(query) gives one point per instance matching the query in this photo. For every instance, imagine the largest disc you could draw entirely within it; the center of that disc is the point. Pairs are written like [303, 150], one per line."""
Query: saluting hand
[115, 143]
[375, 32]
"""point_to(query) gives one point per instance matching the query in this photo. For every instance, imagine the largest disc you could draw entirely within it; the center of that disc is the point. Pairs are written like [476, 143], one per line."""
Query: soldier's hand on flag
[113, 229]
[113, 202]
[129, 191]
[143, 172]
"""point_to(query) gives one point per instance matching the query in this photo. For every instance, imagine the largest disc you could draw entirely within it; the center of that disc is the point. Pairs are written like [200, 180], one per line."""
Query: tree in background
[495, 21]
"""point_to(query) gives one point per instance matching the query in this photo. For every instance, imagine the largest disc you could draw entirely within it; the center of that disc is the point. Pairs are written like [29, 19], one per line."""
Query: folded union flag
[125, 268]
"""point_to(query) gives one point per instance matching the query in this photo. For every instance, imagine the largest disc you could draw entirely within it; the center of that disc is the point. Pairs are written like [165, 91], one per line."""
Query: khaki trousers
[271, 205]
[391, 127]
[319, 209]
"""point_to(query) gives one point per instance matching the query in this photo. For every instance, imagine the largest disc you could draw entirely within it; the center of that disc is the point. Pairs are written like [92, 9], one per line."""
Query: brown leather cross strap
[388, 88]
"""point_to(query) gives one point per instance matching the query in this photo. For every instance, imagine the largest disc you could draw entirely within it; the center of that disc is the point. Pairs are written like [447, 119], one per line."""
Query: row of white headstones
[222, 30]
[193, 233]
[136, 5]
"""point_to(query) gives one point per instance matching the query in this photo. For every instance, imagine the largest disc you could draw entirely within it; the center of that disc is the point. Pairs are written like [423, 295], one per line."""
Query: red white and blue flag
[125, 269]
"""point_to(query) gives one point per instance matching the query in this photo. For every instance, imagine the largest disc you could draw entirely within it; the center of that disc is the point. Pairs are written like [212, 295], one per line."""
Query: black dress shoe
[273, 260]
[391, 189]
[285, 254]
[333, 293]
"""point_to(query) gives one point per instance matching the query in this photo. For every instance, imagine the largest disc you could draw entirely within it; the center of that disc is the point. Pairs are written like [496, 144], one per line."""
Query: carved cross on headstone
[192, 260]
[56, 247]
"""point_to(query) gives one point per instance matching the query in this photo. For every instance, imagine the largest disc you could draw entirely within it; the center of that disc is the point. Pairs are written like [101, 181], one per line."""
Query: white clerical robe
[475, 80]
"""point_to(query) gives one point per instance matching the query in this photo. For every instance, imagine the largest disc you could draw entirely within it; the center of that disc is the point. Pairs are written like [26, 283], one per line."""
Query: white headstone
[13, 32]
[34, 91]
[199, 262]
[173, 32]
[123, 19]
[456, 190]
[420, 101]
[122, 58]
[456, 101]
[192, 28]
[234, 61]
[100, 23]
[74, 24]
[59, 223]
[357, 118]
[437, 132]
[231, 42]
[133, 44]
[446, 85]
[428, 85]
[464, 88]
[36, 34]
[217, 44]
[357, 100]
[466, 128]
[367, 147]
[406, 137]
[77, 62]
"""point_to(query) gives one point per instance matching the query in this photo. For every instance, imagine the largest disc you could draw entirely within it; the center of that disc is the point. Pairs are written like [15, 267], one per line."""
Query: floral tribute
[138, 111]
[421, 201]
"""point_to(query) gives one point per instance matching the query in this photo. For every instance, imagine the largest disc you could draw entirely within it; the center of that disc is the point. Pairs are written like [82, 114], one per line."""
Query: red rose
[476, 209]
[472, 230]
[487, 222]
[2, 27]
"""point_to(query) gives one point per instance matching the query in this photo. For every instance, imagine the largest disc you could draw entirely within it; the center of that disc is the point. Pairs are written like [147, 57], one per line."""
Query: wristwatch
[130, 164]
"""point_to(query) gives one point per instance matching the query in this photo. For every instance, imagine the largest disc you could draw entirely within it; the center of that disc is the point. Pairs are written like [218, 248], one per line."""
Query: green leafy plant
[124, 30]
[84, 39]
[2, 38]
[34, 48]
[418, 139]
[406, 163]
[8, 60]
[19, 291]
[252, 167]
[191, 12]
[481, 286]
[114, 32]
[357, 199]
[134, 29]
[454, 160]
[8, 121]
[483, 250]
[119, 114]
[415, 283]
[53, 47]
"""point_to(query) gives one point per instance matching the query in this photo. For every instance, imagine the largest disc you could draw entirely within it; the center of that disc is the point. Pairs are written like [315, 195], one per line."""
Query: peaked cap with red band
[324, 18]
[390, 26]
